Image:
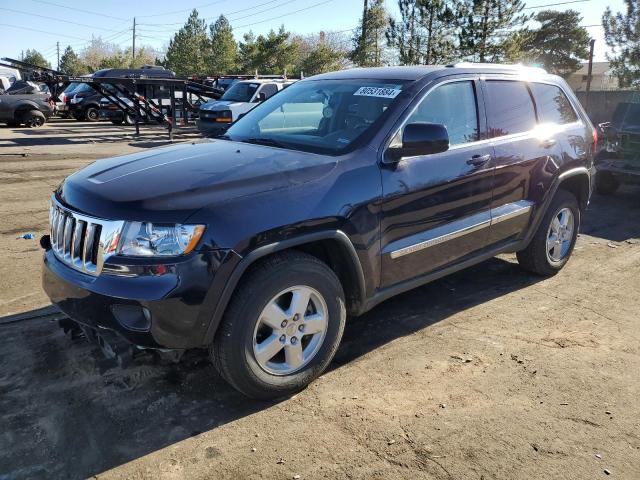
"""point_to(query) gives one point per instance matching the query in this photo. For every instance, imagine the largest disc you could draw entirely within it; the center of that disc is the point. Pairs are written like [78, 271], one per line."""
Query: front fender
[222, 289]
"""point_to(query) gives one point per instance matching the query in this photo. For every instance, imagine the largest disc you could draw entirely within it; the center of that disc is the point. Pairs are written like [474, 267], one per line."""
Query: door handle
[548, 143]
[478, 160]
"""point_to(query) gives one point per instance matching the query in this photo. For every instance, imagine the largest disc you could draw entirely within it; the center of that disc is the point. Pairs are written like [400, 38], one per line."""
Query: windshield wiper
[264, 141]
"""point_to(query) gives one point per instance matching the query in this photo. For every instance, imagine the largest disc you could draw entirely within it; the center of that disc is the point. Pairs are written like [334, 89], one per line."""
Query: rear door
[436, 208]
[524, 157]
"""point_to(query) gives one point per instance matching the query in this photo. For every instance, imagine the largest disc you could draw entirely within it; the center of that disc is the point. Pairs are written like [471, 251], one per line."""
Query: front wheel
[282, 327]
[555, 237]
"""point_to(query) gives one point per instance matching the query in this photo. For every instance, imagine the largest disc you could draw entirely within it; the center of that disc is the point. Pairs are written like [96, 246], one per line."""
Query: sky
[74, 22]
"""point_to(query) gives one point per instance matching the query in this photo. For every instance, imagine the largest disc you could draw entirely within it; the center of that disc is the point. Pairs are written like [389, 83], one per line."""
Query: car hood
[221, 104]
[169, 184]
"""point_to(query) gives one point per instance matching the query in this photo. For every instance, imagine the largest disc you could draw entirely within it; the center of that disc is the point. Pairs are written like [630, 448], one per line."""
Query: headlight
[143, 239]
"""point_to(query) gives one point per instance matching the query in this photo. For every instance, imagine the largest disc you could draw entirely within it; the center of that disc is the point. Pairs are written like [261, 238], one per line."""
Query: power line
[284, 15]
[75, 9]
[22, 27]
[55, 19]
[182, 11]
[226, 14]
[262, 11]
[555, 4]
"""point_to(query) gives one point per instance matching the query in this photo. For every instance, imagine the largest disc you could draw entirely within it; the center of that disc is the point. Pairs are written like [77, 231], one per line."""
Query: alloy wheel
[560, 235]
[290, 330]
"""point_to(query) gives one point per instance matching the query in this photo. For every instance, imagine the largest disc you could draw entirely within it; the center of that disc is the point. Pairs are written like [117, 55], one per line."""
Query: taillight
[594, 147]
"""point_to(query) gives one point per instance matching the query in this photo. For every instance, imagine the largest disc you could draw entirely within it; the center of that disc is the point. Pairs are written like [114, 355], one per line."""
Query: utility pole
[364, 20]
[133, 47]
[58, 54]
[586, 99]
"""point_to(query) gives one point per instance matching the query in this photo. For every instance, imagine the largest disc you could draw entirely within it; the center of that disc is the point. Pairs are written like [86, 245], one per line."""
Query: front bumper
[210, 127]
[179, 302]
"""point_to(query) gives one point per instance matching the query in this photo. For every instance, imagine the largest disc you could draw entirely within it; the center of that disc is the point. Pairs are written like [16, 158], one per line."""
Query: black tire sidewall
[300, 273]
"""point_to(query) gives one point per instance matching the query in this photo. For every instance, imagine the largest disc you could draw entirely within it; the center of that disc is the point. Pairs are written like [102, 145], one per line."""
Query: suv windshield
[322, 116]
[240, 92]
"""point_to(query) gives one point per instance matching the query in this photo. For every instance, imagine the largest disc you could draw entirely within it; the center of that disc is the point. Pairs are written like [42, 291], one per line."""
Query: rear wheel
[33, 119]
[555, 238]
[282, 327]
[606, 184]
[92, 114]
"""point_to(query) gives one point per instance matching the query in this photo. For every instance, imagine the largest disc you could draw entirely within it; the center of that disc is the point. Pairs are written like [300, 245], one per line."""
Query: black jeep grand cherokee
[330, 197]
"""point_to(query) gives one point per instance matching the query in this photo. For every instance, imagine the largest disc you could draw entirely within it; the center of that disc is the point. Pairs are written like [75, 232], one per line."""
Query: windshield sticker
[381, 92]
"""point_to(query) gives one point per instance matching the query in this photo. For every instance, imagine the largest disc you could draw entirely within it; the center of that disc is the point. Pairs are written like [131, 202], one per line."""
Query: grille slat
[77, 240]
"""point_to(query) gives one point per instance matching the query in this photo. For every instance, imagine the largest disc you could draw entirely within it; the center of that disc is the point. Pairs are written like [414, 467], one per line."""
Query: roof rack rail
[496, 66]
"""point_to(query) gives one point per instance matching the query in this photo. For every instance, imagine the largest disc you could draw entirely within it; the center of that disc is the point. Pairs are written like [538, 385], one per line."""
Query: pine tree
[224, 49]
[425, 32]
[319, 55]
[369, 37]
[248, 53]
[559, 44]
[70, 63]
[622, 34]
[188, 50]
[36, 58]
[485, 26]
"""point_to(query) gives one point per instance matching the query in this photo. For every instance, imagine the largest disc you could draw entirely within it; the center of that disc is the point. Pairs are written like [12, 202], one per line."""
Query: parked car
[29, 109]
[8, 76]
[338, 193]
[619, 161]
[62, 106]
[85, 102]
[216, 116]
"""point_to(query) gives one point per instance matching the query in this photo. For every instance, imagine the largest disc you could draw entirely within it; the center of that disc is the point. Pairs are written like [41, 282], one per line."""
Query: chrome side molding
[466, 226]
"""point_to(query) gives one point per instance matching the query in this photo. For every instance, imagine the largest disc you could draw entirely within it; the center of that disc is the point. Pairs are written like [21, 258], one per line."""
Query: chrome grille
[80, 241]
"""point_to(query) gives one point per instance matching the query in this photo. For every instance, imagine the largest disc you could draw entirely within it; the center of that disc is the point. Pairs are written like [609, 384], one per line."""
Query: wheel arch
[25, 106]
[332, 247]
[578, 182]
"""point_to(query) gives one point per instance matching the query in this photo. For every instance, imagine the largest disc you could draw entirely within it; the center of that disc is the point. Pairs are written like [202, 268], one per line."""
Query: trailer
[181, 102]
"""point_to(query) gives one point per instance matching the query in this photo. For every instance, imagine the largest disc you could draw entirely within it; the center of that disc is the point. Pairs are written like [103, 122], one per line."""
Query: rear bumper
[176, 304]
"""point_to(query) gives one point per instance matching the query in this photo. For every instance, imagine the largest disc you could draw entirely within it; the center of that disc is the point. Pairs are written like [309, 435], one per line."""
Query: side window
[510, 108]
[553, 105]
[269, 90]
[454, 106]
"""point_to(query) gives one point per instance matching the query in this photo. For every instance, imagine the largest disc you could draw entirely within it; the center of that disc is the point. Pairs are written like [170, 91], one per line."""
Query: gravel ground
[489, 374]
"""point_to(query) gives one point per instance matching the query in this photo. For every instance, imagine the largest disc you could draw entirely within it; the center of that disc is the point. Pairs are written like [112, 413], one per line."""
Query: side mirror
[261, 97]
[421, 139]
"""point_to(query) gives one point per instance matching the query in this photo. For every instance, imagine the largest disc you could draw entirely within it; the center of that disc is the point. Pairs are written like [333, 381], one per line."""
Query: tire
[243, 326]
[128, 120]
[606, 184]
[536, 258]
[92, 114]
[33, 119]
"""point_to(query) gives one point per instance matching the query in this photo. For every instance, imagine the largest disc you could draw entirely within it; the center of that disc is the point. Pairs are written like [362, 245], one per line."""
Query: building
[602, 78]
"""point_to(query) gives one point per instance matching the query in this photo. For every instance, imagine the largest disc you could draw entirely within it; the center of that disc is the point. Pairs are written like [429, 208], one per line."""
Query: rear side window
[454, 106]
[553, 105]
[510, 108]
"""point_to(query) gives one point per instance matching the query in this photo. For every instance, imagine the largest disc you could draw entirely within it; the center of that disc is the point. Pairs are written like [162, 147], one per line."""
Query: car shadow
[90, 416]
[616, 217]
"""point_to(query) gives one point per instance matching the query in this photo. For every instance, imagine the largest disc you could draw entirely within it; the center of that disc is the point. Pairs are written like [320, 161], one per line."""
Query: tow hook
[45, 242]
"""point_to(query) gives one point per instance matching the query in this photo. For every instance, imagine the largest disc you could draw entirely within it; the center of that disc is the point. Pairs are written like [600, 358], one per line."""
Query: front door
[436, 208]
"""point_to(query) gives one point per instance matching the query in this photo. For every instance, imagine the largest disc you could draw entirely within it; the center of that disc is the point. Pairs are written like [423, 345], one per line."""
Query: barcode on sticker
[377, 92]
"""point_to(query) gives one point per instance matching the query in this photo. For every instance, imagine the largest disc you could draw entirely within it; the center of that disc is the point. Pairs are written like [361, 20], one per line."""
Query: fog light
[132, 317]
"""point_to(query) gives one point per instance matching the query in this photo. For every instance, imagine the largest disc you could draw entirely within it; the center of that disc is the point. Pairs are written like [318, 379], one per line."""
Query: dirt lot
[489, 374]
